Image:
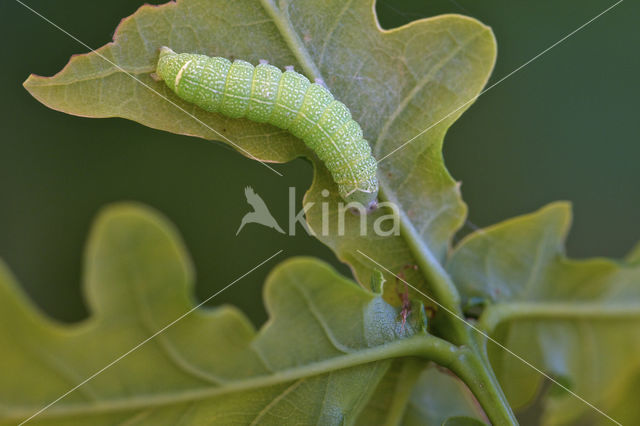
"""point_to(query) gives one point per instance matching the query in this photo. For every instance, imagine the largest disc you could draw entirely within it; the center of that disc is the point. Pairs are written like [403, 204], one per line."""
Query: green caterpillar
[287, 100]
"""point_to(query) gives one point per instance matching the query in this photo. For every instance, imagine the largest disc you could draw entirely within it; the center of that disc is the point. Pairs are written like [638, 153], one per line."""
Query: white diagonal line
[458, 317]
[148, 338]
[501, 80]
[149, 87]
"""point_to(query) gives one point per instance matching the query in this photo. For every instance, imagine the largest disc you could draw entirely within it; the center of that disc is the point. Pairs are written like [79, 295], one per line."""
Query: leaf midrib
[36, 80]
[426, 346]
[291, 39]
[556, 311]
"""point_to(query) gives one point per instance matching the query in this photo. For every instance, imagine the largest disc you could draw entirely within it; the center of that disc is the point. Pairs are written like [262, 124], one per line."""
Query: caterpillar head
[169, 65]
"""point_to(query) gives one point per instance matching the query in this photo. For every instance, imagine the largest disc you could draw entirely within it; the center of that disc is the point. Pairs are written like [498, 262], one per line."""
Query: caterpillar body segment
[265, 94]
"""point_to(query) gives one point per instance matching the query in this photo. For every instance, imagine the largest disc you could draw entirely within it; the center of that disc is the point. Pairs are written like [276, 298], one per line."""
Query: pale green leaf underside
[439, 396]
[578, 320]
[396, 84]
[316, 361]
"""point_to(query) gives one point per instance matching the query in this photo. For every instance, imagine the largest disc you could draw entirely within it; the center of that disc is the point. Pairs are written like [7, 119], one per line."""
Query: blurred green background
[564, 127]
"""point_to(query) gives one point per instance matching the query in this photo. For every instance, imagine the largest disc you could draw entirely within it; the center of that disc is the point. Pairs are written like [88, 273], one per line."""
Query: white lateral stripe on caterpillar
[180, 72]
